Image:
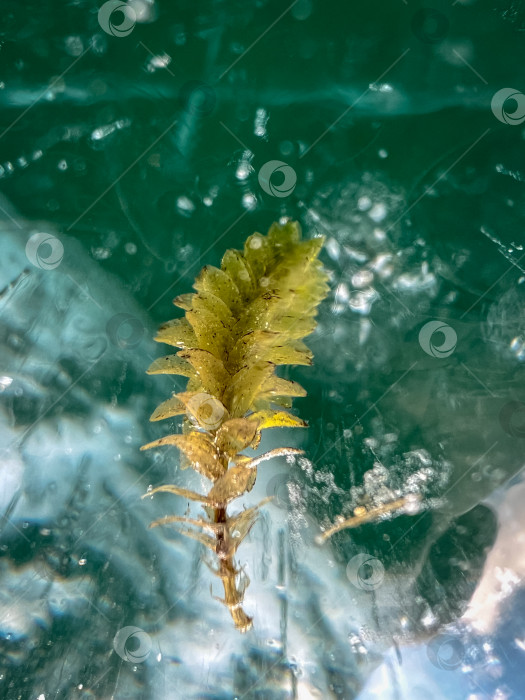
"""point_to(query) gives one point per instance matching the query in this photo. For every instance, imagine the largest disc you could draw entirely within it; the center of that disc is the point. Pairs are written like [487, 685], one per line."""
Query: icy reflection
[77, 554]
[152, 160]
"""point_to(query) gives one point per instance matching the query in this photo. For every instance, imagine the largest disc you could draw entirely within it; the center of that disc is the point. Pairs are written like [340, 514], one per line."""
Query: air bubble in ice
[361, 302]
[249, 201]
[412, 504]
[261, 118]
[185, 206]
[342, 295]
[429, 619]
[102, 131]
[145, 10]
[378, 212]
[333, 248]
[5, 382]
[363, 278]
[517, 345]
[156, 62]
[243, 171]
[364, 203]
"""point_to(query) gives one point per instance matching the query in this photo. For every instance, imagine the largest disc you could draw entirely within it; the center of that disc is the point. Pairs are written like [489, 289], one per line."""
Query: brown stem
[233, 597]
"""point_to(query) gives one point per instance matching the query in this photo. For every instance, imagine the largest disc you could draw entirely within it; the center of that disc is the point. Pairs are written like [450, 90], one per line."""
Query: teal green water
[147, 150]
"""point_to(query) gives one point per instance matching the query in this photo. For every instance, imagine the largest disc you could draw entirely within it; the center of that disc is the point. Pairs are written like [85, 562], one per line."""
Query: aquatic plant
[244, 320]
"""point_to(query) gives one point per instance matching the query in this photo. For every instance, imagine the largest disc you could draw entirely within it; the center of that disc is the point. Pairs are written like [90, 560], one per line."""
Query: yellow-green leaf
[206, 540]
[198, 448]
[212, 323]
[210, 370]
[258, 253]
[235, 435]
[277, 386]
[241, 524]
[177, 491]
[277, 452]
[276, 419]
[284, 401]
[205, 524]
[171, 364]
[184, 301]
[239, 271]
[217, 282]
[296, 354]
[284, 235]
[168, 409]
[234, 483]
[211, 304]
[251, 345]
[178, 333]
[271, 347]
[245, 386]
[258, 314]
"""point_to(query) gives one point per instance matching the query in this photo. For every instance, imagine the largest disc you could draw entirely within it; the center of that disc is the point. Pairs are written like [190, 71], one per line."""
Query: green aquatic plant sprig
[243, 320]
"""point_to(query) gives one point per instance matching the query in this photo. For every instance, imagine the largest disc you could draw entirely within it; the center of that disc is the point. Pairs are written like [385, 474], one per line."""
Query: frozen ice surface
[420, 605]
[78, 563]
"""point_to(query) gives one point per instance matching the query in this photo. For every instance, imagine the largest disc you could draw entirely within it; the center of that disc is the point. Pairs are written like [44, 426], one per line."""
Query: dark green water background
[306, 70]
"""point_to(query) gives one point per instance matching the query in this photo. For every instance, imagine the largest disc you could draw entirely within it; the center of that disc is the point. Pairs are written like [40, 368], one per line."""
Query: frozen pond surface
[120, 183]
